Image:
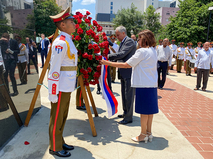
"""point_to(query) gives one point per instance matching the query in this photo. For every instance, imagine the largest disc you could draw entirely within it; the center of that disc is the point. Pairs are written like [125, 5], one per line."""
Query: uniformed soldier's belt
[68, 68]
[22, 55]
[163, 61]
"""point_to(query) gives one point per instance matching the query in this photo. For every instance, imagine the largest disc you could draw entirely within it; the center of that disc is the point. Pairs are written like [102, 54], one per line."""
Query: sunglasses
[112, 38]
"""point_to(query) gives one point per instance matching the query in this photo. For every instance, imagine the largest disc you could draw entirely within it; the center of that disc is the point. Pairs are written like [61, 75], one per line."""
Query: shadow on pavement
[169, 89]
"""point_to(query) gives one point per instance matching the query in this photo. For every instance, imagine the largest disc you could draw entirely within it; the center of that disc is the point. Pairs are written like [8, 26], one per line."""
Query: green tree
[191, 22]
[4, 27]
[130, 18]
[42, 10]
[152, 20]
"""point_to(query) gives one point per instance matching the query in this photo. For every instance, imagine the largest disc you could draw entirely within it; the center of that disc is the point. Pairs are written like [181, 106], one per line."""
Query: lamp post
[131, 32]
[210, 8]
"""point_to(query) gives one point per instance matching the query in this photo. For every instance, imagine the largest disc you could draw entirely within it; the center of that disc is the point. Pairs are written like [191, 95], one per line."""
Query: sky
[83, 6]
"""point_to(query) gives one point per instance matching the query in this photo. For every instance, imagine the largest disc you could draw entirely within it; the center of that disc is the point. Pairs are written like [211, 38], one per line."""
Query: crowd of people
[14, 53]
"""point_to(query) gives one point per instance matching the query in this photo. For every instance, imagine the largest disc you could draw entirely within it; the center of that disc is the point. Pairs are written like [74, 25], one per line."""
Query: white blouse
[144, 68]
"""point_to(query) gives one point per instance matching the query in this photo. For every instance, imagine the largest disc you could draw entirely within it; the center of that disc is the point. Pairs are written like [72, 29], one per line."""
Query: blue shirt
[204, 58]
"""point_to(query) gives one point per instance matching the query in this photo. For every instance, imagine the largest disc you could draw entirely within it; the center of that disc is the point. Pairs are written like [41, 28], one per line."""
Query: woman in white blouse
[144, 79]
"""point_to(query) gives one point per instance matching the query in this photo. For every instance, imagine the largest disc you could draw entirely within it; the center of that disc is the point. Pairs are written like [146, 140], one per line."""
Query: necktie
[120, 45]
[42, 44]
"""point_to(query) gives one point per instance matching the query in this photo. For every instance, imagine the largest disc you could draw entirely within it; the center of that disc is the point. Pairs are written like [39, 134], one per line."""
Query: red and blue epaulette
[62, 37]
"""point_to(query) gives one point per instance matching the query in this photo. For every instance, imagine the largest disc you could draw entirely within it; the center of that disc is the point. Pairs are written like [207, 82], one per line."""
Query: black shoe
[187, 74]
[14, 94]
[178, 72]
[68, 147]
[167, 73]
[98, 92]
[124, 122]
[121, 116]
[81, 107]
[41, 67]
[113, 81]
[24, 82]
[28, 73]
[190, 75]
[61, 153]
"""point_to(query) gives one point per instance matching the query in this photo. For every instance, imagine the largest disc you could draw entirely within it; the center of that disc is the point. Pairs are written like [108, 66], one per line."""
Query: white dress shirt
[204, 59]
[164, 54]
[144, 68]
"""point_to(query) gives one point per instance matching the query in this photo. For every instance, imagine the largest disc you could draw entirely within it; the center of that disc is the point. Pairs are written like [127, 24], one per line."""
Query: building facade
[64, 3]
[165, 13]
[107, 9]
[174, 4]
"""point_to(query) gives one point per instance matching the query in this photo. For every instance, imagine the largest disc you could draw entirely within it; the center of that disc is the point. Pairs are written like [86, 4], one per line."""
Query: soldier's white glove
[53, 98]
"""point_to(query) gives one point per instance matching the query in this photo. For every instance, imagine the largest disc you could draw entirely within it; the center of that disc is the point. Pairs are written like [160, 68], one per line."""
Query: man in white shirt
[189, 55]
[180, 57]
[113, 49]
[197, 49]
[202, 65]
[164, 54]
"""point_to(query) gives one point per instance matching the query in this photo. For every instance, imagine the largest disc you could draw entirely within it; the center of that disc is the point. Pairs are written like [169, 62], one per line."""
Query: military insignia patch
[55, 75]
[58, 48]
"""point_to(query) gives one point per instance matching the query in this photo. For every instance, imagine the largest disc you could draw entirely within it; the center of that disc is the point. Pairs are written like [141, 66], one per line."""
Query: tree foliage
[42, 10]
[130, 18]
[4, 28]
[191, 22]
[151, 20]
[134, 20]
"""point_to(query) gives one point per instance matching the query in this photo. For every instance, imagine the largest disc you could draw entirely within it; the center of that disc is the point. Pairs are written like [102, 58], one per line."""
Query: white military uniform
[49, 47]
[197, 49]
[180, 53]
[187, 55]
[173, 47]
[23, 55]
[63, 81]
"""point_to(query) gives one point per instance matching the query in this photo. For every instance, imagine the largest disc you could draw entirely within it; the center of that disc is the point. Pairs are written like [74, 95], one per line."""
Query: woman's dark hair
[147, 38]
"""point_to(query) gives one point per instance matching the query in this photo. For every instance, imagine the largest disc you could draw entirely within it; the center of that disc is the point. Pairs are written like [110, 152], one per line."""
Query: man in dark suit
[126, 50]
[42, 48]
[10, 51]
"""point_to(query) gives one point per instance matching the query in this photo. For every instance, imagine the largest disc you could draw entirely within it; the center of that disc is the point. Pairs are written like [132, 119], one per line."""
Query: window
[111, 3]
[167, 20]
[111, 12]
[107, 32]
[152, 3]
[106, 25]
[111, 7]
[167, 13]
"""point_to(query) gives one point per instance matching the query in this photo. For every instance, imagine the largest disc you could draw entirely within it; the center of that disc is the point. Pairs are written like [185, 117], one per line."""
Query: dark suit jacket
[46, 43]
[125, 52]
[13, 46]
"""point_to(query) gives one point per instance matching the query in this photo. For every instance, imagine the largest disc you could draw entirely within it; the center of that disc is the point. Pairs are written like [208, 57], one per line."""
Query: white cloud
[83, 11]
[87, 2]
[75, 0]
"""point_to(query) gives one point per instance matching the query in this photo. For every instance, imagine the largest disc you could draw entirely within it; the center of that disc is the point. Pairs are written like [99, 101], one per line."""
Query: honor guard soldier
[173, 47]
[160, 43]
[61, 81]
[197, 49]
[180, 57]
[23, 60]
[189, 55]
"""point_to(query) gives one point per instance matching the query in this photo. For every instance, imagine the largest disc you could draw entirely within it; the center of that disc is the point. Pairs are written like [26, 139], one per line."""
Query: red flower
[73, 36]
[95, 23]
[90, 57]
[82, 70]
[103, 34]
[80, 16]
[96, 38]
[106, 51]
[77, 26]
[85, 55]
[106, 44]
[80, 31]
[90, 46]
[100, 57]
[90, 18]
[99, 28]
[99, 68]
[77, 38]
[77, 13]
[89, 69]
[86, 83]
[92, 82]
[79, 21]
[93, 34]
[75, 16]
[87, 21]
[97, 50]
[87, 13]
[105, 38]
[86, 76]
[89, 32]
[96, 75]
[85, 16]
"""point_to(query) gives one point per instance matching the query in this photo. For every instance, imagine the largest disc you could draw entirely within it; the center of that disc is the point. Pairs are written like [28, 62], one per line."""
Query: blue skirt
[146, 101]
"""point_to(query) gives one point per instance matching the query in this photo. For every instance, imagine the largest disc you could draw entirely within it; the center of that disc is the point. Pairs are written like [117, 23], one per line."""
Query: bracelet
[109, 63]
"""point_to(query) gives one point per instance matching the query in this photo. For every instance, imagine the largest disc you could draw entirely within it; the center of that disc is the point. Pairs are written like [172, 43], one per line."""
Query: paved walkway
[182, 128]
[190, 111]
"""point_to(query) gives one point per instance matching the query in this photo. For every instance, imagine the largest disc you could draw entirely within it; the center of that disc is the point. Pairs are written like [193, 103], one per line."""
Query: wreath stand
[80, 79]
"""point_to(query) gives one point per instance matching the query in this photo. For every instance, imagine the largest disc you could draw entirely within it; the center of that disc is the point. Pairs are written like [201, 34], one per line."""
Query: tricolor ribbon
[111, 101]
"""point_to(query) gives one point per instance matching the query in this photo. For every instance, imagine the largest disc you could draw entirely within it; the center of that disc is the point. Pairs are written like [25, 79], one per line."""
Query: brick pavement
[191, 113]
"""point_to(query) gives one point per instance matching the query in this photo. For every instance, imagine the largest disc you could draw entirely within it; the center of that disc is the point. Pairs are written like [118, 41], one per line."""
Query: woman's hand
[104, 62]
